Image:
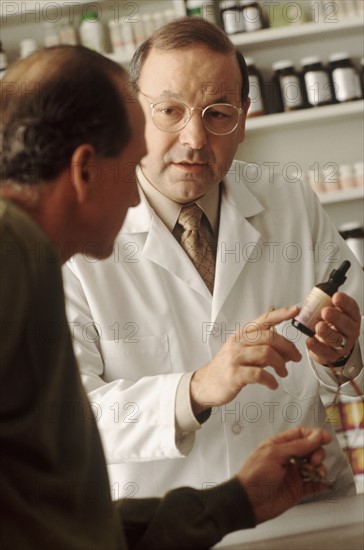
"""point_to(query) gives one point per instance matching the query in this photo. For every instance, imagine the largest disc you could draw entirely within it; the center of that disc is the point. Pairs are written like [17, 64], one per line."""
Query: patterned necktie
[195, 244]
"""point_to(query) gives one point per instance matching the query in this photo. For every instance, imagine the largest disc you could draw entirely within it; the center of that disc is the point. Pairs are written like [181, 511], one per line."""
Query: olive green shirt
[54, 489]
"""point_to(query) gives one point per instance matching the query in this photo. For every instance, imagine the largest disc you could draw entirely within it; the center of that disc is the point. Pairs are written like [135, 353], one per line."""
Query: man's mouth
[194, 167]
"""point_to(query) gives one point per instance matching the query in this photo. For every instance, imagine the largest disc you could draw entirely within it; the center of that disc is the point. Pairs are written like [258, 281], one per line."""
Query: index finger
[271, 318]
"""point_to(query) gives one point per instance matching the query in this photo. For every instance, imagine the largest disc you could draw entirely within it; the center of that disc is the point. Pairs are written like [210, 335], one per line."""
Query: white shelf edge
[331, 197]
[305, 116]
[282, 34]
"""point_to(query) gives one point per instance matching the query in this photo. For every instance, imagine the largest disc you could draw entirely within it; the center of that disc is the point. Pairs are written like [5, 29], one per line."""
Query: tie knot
[190, 217]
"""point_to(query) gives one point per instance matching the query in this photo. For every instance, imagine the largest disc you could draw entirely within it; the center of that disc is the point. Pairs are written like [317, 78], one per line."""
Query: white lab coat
[143, 317]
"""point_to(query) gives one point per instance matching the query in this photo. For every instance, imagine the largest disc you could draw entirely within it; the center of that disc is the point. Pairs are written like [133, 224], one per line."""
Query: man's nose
[194, 134]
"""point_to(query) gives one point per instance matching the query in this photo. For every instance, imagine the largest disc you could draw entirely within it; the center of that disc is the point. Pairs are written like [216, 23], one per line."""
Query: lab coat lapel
[237, 240]
[160, 246]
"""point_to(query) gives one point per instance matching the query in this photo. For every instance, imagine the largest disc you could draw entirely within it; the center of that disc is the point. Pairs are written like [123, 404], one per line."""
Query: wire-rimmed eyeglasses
[172, 116]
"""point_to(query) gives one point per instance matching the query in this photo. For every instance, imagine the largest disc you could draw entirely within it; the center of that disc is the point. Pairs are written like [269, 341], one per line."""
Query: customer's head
[70, 123]
[53, 101]
[190, 64]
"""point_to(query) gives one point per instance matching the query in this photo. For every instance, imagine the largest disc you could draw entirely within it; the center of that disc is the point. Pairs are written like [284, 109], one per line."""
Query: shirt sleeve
[186, 421]
[351, 371]
[186, 517]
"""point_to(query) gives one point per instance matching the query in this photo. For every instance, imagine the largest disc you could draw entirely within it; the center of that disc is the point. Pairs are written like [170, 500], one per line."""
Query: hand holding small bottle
[337, 332]
[331, 319]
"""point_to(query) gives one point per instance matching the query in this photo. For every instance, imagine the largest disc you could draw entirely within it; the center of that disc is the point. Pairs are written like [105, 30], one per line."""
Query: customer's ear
[82, 168]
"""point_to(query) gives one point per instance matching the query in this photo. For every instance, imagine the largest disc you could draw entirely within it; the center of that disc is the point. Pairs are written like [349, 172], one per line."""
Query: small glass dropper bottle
[318, 298]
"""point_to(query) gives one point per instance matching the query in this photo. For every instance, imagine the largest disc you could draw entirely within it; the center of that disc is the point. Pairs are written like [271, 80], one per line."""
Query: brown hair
[185, 32]
[52, 102]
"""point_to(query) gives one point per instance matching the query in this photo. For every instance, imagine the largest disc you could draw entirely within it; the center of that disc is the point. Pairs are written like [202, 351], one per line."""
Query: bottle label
[252, 18]
[345, 84]
[318, 87]
[233, 21]
[291, 92]
[255, 94]
[310, 312]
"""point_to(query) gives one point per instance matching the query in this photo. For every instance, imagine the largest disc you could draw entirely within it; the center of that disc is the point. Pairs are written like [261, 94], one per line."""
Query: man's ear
[243, 120]
[82, 168]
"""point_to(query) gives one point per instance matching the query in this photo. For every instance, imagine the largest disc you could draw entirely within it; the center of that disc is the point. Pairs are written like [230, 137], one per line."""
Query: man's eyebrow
[168, 94]
[221, 99]
[173, 95]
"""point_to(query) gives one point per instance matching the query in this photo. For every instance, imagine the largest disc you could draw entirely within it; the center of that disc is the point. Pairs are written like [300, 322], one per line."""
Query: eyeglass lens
[219, 118]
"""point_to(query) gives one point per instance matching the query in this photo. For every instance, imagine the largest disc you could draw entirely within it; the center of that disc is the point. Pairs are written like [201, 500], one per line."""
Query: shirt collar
[168, 210]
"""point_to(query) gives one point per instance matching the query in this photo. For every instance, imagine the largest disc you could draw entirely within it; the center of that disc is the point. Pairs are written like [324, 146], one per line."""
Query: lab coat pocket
[300, 382]
[136, 357]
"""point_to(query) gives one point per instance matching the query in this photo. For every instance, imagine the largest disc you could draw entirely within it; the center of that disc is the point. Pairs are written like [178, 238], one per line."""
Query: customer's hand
[272, 483]
[338, 331]
[241, 361]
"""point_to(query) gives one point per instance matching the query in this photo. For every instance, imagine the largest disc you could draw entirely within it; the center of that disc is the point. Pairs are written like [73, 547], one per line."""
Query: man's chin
[98, 252]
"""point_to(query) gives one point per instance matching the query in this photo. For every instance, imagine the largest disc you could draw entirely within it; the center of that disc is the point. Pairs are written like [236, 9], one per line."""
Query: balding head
[53, 101]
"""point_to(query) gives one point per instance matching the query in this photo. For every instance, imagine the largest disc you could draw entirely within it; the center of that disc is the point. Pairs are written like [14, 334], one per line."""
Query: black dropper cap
[336, 278]
[338, 275]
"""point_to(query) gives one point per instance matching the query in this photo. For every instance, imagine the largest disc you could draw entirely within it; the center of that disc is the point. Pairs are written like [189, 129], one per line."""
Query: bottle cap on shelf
[90, 16]
[226, 4]
[310, 60]
[338, 56]
[249, 61]
[27, 46]
[345, 169]
[282, 64]
[359, 167]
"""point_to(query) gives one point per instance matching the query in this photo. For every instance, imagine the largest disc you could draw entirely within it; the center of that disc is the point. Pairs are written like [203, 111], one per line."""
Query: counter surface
[337, 524]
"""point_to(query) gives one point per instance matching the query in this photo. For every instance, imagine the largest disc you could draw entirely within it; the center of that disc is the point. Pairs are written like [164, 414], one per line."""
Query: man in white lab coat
[147, 330]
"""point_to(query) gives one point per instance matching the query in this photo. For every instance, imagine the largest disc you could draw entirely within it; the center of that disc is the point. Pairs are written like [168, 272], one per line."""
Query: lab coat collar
[160, 245]
[237, 205]
[138, 218]
[237, 236]
[236, 193]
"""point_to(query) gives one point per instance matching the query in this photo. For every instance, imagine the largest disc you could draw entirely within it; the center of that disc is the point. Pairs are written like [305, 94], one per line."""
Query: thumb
[305, 445]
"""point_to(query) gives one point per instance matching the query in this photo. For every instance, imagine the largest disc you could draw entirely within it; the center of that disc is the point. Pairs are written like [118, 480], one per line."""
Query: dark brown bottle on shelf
[288, 83]
[345, 79]
[317, 82]
[252, 15]
[257, 103]
[3, 61]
